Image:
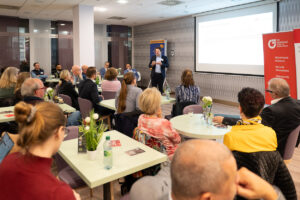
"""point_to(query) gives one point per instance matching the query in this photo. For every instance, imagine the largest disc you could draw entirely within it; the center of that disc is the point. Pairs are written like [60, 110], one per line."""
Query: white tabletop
[110, 103]
[4, 118]
[52, 80]
[8, 111]
[94, 173]
[194, 126]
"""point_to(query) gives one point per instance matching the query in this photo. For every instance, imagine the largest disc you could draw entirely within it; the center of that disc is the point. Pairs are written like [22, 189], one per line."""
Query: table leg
[108, 191]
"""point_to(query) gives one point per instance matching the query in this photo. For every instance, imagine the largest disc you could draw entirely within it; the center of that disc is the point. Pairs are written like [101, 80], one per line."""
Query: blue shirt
[185, 94]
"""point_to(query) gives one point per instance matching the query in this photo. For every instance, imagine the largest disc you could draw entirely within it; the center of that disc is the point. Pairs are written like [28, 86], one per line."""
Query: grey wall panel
[180, 36]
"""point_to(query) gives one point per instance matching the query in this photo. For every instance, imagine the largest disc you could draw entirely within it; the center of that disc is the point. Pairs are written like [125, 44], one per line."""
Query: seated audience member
[84, 68]
[283, 115]
[130, 69]
[104, 69]
[249, 135]
[8, 82]
[127, 98]
[33, 91]
[187, 91]
[27, 175]
[58, 69]
[88, 90]
[37, 72]
[152, 123]
[76, 75]
[66, 87]
[20, 80]
[111, 83]
[215, 177]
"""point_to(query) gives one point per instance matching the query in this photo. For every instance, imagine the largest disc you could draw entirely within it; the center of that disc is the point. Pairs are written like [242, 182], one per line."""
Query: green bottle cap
[108, 137]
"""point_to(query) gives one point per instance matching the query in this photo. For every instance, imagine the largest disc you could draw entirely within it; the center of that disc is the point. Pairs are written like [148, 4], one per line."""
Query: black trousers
[158, 80]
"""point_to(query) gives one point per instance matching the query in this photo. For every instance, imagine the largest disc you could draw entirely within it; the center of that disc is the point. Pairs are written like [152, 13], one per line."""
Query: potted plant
[93, 133]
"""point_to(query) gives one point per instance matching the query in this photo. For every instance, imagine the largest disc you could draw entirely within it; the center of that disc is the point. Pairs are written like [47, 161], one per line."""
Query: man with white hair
[283, 115]
[76, 75]
[33, 90]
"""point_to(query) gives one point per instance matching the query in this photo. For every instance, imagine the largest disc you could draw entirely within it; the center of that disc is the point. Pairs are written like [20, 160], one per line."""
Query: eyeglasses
[270, 91]
[66, 131]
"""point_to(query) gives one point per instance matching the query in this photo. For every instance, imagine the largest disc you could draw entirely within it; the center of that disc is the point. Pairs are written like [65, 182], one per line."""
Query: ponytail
[37, 123]
[128, 79]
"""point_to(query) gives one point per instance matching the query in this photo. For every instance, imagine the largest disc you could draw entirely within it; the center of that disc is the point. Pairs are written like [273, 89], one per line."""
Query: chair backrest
[67, 99]
[85, 107]
[108, 94]
[291, 143]
[152, 142]
[60, 162]
[196, 109]
[73, 132]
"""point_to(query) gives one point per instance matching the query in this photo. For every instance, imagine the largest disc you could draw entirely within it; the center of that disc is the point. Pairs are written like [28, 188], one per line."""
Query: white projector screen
[231, 42]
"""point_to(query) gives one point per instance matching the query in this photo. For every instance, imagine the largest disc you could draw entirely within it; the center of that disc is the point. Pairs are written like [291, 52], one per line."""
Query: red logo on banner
[279, 59]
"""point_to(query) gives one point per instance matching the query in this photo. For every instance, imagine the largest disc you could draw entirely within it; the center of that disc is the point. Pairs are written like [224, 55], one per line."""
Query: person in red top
[27, 175]
[153, 124]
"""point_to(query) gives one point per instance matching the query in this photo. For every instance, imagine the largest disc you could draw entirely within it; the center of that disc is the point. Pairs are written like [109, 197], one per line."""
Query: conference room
[163, 99]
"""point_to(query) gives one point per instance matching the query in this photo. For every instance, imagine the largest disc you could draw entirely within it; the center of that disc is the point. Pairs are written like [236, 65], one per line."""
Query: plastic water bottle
[108, 157]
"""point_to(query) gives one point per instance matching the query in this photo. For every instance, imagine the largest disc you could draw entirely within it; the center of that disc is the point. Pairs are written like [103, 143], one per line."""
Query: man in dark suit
[283, 115]
[158, 65]
[88, 90]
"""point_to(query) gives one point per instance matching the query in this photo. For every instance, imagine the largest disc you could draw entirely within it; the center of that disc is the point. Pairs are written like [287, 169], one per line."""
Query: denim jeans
[74, 119]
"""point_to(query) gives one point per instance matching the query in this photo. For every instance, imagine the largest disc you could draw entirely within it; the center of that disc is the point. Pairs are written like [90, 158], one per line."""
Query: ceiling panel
[137, 12]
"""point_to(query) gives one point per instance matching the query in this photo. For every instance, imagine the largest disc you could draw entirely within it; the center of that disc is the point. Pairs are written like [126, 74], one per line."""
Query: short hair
[29, 87]
[35, 63]
[251, 101]
[91, 71]
[195, 169]
[111, 74]
[279, 86]
[64, 74]
[158, 48]
[149, 101]
[187, 78]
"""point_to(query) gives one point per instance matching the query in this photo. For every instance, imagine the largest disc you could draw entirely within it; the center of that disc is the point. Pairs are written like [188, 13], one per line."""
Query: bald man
[76, 75]
[84, 68]
[203, 170]
[283, 115]
[199, 173]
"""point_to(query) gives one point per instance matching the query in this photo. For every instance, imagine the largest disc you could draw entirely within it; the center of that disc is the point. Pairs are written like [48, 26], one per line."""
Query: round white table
[194, 126]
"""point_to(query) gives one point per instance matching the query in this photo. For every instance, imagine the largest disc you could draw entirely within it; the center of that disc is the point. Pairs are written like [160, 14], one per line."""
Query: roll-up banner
[297, 56]
[158, 43]
[279, 60]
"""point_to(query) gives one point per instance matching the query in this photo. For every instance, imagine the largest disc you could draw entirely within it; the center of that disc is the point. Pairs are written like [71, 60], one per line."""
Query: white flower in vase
[87, 120]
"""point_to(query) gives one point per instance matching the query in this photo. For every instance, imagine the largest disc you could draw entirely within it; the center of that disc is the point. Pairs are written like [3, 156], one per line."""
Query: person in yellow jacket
[249, 135]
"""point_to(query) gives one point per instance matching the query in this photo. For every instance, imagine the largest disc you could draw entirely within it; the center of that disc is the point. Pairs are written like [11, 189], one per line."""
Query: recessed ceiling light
[100, 9]
[122, 1]
[62, 24]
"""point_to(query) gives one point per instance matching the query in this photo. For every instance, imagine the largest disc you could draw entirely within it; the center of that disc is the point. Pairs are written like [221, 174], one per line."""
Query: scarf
[252, 121]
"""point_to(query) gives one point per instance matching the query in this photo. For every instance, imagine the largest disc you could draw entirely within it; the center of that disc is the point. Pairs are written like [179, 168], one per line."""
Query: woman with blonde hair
[20, 80]
[27, 175]
[66, 87]
[152, 122]
[127, 97]
[187, 91]
[8, 82]
[111, 83]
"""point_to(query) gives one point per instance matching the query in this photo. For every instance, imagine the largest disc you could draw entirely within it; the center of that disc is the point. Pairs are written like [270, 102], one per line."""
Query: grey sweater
[132, 99]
